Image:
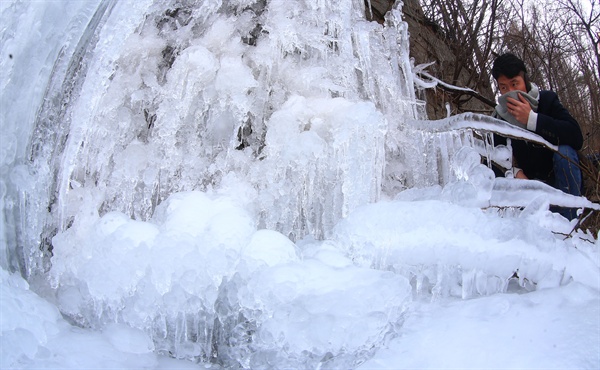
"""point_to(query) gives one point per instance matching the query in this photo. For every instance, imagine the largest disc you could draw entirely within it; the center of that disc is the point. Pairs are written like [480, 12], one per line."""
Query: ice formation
[248, 184]
[155, 103]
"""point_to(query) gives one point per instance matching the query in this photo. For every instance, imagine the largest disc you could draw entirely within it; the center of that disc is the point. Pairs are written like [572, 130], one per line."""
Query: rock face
[427, 45]
[378, 9]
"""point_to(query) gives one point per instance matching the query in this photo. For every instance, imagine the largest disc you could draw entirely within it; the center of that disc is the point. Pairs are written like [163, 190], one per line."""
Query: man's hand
[521, 175]
[519, 108]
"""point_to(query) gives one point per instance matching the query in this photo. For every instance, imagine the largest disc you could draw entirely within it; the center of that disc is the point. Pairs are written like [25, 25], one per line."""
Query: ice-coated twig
[419, 72]
[480, 122]
[515, 193]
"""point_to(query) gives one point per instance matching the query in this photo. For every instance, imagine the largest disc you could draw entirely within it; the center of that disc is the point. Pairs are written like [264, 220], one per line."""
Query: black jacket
[555, 124]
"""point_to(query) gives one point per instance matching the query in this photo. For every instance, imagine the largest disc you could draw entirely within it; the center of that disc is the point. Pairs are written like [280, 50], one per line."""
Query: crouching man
[540, 111]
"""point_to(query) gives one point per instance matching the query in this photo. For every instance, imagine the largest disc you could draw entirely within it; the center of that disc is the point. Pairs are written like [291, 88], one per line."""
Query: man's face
[506, 84]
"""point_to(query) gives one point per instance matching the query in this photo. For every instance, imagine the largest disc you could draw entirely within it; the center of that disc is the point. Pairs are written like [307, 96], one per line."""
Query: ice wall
[305, 100]
[292, 110]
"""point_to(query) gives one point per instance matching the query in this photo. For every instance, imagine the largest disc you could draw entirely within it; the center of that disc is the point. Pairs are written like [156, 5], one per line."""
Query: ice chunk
[502, 155]
[309, 309]
[425, 242]
[515, 192]
[474, 183]
[33, 334]
[271, 248]
[30, 309]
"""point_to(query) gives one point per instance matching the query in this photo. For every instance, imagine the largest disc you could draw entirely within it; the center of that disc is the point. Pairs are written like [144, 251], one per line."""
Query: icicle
[509, 172]
[370, 9]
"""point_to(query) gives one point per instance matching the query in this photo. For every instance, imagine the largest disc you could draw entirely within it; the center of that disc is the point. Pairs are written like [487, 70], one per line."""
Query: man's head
[510, 73]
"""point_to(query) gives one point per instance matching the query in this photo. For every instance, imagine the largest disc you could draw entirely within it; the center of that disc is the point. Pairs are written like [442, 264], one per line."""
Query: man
[540, 111]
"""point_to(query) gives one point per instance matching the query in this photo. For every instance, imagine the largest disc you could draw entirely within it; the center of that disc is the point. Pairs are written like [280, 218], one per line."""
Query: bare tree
[464, 27]
[558, 40]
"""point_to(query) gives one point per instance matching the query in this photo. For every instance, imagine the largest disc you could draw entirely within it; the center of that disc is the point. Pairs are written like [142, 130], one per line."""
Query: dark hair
[510, 66]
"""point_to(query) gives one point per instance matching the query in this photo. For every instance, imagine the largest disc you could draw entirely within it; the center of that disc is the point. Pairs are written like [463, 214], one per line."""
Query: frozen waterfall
[305, 101]
[212, 175]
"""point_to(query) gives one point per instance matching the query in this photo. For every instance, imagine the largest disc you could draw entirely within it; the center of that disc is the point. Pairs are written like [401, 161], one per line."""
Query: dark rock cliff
[427, 45]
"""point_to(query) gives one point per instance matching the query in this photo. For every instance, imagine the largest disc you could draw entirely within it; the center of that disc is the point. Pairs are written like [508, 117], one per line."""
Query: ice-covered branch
[419, 72]
[480, 122]
[519, 193]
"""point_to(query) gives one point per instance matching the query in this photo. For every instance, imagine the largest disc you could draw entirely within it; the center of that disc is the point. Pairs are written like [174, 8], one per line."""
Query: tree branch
[457, 90]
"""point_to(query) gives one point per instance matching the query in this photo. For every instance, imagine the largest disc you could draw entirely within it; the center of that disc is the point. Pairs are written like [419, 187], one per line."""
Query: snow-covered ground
[345, 231]
[321, 297]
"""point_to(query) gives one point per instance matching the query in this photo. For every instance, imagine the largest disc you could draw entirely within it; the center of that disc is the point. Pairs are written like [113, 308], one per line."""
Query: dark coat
[556, 125]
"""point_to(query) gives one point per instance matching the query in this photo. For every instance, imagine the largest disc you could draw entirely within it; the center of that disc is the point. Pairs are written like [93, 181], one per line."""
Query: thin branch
[457, 90]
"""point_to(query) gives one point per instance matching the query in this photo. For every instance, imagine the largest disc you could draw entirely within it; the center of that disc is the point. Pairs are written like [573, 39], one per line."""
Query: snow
[243, 184]
[546, 329]
[424, 282]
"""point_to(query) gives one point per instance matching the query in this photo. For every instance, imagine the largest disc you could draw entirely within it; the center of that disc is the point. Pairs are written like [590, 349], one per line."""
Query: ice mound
[34, 335]
[314, 314]
[24, 335]
[204, 283]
